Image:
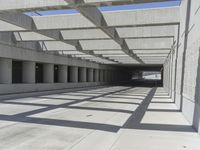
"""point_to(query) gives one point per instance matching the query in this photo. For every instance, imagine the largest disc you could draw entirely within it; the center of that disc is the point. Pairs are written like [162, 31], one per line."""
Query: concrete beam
[23, 5]
[93, 14]
[97, 34]
[113, 19]
[27, 23]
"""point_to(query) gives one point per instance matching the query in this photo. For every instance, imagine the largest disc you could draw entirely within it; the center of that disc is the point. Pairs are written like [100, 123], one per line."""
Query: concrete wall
[185, 65]
[29, 58]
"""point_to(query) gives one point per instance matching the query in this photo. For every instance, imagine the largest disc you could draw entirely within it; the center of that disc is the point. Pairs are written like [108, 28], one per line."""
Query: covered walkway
[104, 118]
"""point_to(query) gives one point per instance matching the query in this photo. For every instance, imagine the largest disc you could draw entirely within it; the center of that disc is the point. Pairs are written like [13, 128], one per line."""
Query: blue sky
[110, 8]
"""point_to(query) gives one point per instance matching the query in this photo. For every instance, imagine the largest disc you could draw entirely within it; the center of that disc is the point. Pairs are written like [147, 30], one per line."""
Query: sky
[109, 8]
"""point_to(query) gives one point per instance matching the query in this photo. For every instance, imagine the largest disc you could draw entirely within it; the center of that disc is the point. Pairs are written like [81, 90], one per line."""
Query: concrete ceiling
[144, 36]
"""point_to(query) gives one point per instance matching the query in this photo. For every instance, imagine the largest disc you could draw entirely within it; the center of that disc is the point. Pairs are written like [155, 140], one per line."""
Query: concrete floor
[109, 118]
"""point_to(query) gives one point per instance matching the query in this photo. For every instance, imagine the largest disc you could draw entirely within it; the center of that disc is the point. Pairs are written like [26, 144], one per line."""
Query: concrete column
[96, 75]
[28, 72]
[5, 71]
[105, 76]
[48, 73]
[90, 75]
[101, 75]
[62, 73]
[109, 76]
[83, 74]
[112, 76]
[73, 74]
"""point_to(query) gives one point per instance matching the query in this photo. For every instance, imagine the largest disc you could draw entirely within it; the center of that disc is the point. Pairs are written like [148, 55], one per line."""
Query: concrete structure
[99, 50]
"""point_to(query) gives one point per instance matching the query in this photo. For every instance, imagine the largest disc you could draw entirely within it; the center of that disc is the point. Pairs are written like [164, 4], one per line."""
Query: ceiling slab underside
[143, 36]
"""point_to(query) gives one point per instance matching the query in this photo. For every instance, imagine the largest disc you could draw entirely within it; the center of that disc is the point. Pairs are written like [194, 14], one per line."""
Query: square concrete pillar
[48, 73]
[82, 74]
[28, 72]
[73, 73]
[63, 73]
[5, 71]
[90, 75]
[96, 75]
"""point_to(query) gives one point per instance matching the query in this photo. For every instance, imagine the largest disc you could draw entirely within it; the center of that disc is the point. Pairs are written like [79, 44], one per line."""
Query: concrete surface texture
[90, 59]
[106, 118]
[182, 67]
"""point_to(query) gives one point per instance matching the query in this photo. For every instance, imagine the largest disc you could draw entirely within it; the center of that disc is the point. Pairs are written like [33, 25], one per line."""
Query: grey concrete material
[75, 44]
[105, 76]
[56, 34]
[101, 74]
[5, 71]
[90, 75]
[83, 74]
[30, 36]
[61, 22]
[63, 73]
[73, 73]
[12, 90]
[143, 28]
[40, 5]
[48, 73]
[27, 23]
[31, 4]
[187, 70]
[28, 75]
[98, 20]
[157, 140]
[33, 45]
[188, 109]
[96, 75]
[30, 55]
[94, 15]
[18, 19]
[62, 126]
[154, 43]
[7, 37]
[147, 31]
[120, 19]
[9, 27]
[99, 44]
[78, 34]
[83, 34]
[196, 118]
[113, 19]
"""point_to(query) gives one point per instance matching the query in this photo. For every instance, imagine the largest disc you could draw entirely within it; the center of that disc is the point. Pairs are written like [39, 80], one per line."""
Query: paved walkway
[109, 118]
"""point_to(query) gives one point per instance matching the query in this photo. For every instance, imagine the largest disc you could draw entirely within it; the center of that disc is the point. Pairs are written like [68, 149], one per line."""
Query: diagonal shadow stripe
[62, 123]
[65, 104]
[136, 117]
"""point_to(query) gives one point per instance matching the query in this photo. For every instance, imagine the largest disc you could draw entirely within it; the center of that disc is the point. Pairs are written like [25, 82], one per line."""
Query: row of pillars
[64, 73]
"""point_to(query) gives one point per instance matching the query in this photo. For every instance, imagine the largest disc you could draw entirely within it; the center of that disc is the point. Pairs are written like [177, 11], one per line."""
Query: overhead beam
[93, 14]
[26, 22]
[127, 20]
[97, 34]
[8, 38]
[33, 5]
